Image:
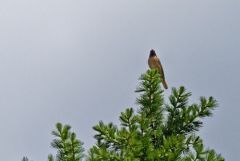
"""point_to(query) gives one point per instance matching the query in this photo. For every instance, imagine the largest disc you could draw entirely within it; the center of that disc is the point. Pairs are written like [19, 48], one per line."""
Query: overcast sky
[78, 61]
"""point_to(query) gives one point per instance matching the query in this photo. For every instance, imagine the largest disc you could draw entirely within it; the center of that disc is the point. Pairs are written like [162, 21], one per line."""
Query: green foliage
[68, 147]
[157, 131]
[25, 159]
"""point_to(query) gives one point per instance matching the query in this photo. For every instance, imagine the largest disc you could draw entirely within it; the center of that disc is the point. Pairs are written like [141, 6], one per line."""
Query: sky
[78, 62]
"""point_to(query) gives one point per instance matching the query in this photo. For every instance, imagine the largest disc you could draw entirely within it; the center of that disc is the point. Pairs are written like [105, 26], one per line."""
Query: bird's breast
[153, 63]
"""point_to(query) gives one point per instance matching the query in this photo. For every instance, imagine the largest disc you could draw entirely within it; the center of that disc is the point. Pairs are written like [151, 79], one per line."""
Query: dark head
[152, 53]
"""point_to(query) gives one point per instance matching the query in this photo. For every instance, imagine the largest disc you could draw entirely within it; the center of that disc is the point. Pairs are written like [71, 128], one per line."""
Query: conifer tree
[68, 147]
[157, 131]
[25, 159]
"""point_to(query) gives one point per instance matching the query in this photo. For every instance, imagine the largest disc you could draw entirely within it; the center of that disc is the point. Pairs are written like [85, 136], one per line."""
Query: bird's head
[152, 53]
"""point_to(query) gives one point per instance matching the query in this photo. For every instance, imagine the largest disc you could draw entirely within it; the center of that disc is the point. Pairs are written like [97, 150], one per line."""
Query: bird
[154, 63]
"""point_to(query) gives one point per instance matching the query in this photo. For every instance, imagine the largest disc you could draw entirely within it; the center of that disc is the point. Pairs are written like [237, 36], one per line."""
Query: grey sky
[78, 61]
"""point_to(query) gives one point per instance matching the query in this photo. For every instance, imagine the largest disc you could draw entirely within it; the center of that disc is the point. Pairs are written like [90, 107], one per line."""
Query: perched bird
[154, 63]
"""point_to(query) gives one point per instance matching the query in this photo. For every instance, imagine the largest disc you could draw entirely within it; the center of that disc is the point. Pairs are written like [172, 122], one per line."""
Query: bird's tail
[165, 84]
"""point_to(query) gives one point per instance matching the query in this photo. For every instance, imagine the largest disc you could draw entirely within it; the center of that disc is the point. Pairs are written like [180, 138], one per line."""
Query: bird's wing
[159, 65]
